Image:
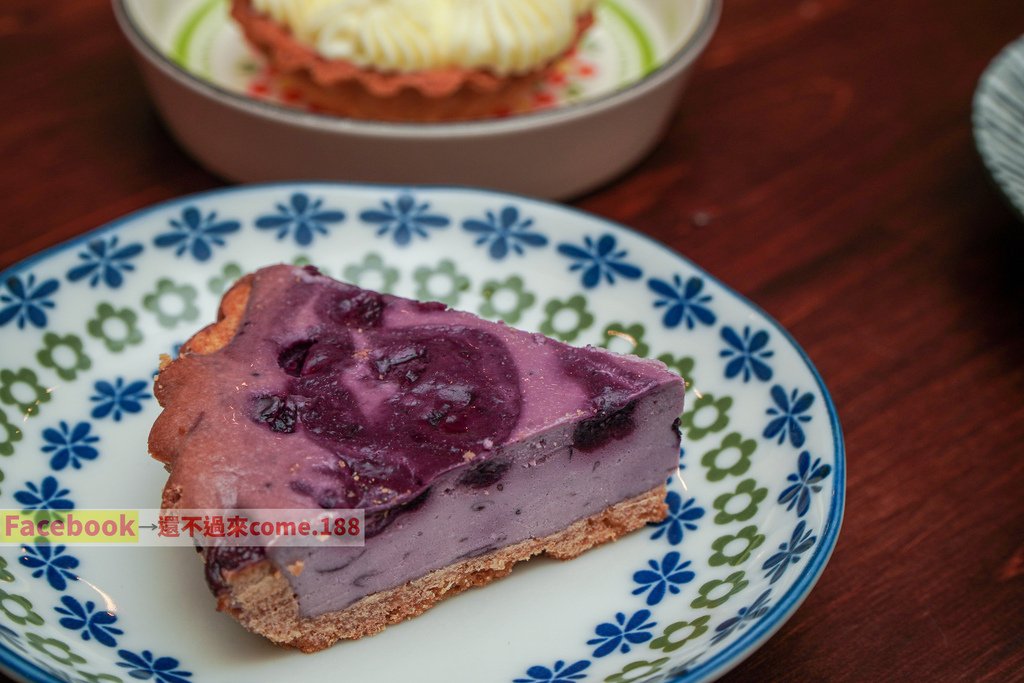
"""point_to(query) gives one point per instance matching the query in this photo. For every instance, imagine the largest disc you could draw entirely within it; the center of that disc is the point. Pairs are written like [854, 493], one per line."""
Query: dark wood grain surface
[821, 164]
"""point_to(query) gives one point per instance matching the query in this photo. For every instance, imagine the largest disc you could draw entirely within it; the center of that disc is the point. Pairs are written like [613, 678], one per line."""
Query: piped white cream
[507, 37]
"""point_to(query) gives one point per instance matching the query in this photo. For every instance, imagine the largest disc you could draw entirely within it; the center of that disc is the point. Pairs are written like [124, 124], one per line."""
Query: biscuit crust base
[260, 597]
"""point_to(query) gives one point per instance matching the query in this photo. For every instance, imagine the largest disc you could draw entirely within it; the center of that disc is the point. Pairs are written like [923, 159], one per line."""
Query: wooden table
[823, 166]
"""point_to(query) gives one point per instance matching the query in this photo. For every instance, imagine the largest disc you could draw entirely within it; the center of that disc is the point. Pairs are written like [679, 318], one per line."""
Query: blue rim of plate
[998, 122]
[715, 667]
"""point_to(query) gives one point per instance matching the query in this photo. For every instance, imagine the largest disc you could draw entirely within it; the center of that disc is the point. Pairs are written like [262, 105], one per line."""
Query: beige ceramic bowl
[556, 152]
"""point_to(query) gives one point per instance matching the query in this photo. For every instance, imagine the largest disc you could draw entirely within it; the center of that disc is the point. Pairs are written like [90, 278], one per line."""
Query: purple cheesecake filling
[456, 435]
[548, 484]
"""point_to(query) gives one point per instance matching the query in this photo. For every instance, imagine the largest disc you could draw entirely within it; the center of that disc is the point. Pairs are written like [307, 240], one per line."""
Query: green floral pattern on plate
[748, 495]
[735, 549]
[681, 365]
[9, 435]
[18, 609]
[733, 446]
[57, 650]
[99, 678]
[717, 592]
[557, 312]
[21, 389]
[172, 303]
[372, 273]
[625, 339]
[707, 416]
[117, 328]
[442, 283]
[687, 631]
[229, 274]
[63, 355]
[513, 289]
[637, 671]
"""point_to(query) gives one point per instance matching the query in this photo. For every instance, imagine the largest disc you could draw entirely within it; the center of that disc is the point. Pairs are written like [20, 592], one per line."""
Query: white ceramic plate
[602, 111]
[755, 508]
[629, 39]
[999, 122]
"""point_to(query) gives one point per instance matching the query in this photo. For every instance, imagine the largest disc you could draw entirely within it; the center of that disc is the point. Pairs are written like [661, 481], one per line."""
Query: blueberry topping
[357, 308]
[611, 389]
[332, 351]
[326, 497]
[276, 412]
[438, 393]
[485, 474]
[430, 306]
[331, 499]
[455, 386]
[389, 408]
[417, 502]
[293, 357]
[445, 406]
[220, 559]
[303, 488]
[328, 415]
[384, 363]
[378, 520]
[610, 423]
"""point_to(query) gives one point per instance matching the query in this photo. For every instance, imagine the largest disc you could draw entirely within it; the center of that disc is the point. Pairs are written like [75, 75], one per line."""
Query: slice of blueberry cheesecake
[470, 446]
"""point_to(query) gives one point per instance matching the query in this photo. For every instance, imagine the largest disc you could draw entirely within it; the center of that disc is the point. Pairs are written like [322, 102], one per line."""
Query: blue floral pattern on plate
[600, 260]
[145, 666]
[747, 354]
[117, 398]
[404, 218]
[684, 301]
[26, 301]
[559, 673]
[46, 495]
[807, 481]
[664, 576]
[622, 633]
[630, 618]
[301, 217]
[790, 552]
[743, 617]
[52, 562]
[92, 622]
[105, 261]
[682, 517]
[788, 414]
[70, 445]
[505, 231]
[196, 233]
